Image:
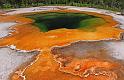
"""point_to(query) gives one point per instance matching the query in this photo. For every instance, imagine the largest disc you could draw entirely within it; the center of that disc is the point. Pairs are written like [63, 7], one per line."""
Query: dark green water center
[56, 20]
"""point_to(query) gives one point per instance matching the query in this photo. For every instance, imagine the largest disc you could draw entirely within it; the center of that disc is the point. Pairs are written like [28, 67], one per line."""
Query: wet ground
[11, 60]
[73, 56]
[4, 28]
[100, 49]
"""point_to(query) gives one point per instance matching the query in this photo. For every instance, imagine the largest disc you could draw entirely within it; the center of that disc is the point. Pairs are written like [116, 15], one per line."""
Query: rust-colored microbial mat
[48, 66]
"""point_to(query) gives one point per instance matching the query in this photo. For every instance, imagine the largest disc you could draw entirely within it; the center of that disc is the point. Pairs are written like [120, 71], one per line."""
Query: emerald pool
[56, 20]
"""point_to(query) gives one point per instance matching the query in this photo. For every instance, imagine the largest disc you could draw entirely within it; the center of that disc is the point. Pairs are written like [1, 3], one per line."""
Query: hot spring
[56, 20]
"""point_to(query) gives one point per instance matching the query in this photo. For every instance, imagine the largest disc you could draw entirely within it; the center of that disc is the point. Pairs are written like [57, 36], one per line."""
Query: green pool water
[56, 20]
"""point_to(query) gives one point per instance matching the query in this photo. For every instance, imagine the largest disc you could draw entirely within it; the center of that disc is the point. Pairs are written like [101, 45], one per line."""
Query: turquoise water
[56, 20]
